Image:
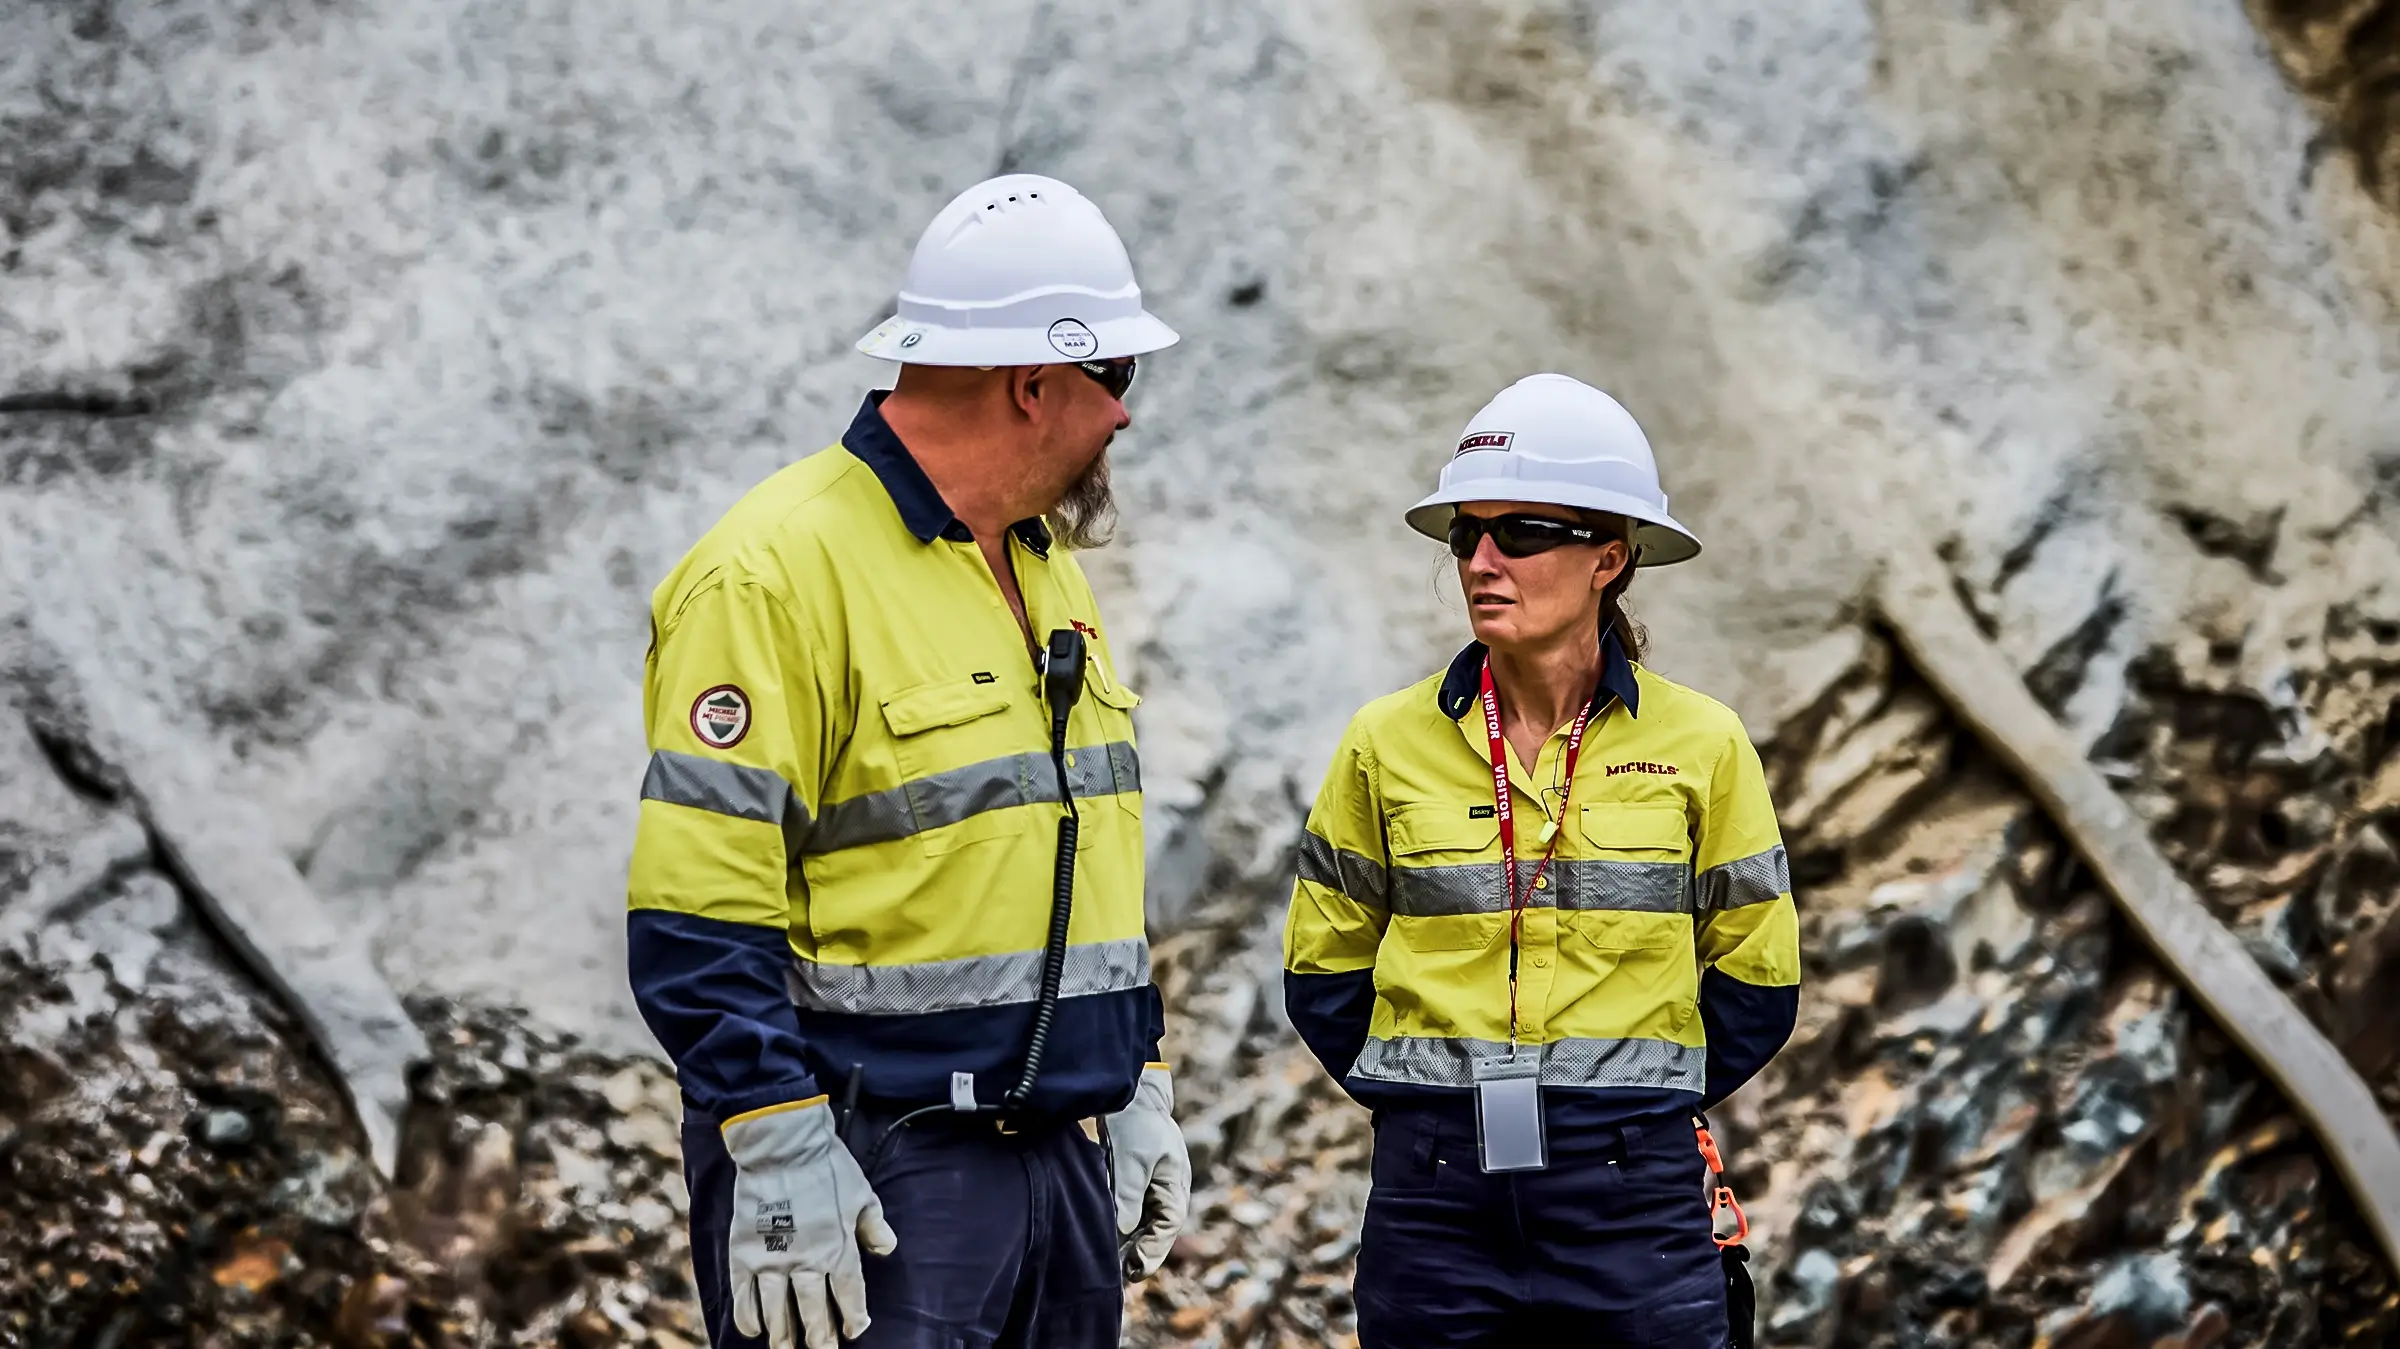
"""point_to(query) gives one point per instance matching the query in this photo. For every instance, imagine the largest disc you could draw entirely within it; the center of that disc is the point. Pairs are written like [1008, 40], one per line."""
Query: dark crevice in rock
[76, 762]
[2055, 512]
[2059, 674]
[2250, 542]
[79, 404]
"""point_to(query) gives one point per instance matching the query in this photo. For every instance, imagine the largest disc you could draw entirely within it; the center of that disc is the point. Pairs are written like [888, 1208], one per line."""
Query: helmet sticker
[1073, 340]
[1486, 440]
[721, 716]
[912, 339]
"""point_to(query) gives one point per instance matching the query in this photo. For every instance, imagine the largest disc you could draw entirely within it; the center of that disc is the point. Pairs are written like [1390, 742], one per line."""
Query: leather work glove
[801, 1209]
[1151, 1172]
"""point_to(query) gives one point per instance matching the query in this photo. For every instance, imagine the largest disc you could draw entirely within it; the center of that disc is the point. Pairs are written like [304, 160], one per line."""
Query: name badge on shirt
[1508, 1112]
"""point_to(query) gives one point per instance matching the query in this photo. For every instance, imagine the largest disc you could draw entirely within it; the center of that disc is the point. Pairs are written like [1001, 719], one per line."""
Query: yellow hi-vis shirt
[1659, 964]
[849, 824]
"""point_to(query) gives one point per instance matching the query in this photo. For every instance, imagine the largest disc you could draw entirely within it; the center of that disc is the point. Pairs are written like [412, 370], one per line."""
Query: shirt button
[1541, 882]
[1541, 962]
[1070, 761]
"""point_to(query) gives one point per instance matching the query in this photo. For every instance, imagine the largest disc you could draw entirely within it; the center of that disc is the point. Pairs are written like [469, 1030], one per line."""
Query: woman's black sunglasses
[1115, 376]
[1516, 535]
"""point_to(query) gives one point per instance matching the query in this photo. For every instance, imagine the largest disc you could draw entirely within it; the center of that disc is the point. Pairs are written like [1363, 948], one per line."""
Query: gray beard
[1086, 517]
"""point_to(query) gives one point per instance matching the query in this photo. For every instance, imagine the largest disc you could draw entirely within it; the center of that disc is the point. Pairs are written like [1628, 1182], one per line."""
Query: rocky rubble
[1999, 1123]
[173, 1169]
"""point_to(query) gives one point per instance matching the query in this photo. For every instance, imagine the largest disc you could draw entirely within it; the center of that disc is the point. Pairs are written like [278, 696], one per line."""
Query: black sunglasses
[1516, 535]
[1115, 376]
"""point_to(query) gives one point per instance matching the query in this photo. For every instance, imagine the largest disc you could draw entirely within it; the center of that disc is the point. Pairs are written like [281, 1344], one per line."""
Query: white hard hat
[1551, 439]
[1019, 270]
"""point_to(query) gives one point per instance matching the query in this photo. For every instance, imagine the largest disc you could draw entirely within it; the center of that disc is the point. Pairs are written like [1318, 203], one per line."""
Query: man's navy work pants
[1607, 1246]
[1007, 1241]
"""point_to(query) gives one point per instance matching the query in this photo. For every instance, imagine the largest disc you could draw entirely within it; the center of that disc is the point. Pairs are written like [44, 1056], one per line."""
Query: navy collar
[1462, 685]
[922, 509]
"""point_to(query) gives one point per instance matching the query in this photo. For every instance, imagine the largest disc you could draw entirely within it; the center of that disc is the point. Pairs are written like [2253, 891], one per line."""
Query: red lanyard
[1501, 798]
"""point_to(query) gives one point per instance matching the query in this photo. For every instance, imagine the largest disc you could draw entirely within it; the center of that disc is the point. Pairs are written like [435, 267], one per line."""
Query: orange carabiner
[1723, 1198]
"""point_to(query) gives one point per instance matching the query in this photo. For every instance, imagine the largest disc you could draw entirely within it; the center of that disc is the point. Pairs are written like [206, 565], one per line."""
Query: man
[844, 879]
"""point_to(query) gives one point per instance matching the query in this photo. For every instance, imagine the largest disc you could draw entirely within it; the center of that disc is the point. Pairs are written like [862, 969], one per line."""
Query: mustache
[1086, 514]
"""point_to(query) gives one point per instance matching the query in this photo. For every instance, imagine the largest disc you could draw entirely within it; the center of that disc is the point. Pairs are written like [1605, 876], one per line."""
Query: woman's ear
[1614, 556]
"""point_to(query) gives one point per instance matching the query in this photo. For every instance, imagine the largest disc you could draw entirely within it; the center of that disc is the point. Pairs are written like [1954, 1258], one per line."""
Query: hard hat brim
[1658, 540]
[913, 343]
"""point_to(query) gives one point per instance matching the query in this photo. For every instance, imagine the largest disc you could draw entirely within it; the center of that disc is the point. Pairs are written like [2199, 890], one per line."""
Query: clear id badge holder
[1508, 1112]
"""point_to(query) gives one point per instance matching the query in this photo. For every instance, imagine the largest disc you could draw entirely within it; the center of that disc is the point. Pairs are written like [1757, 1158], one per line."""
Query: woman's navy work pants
[1007, 1241]
[1607, 1246]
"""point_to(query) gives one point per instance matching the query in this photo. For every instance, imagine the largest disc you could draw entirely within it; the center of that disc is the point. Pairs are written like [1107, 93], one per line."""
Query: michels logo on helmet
[1486, 440]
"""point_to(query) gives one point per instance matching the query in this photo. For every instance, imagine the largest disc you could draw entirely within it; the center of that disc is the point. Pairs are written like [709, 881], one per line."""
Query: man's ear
[1025, 384]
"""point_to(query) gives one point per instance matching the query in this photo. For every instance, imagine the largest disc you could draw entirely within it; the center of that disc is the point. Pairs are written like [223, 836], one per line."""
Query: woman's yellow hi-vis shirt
[1659, 963]
[849, 823]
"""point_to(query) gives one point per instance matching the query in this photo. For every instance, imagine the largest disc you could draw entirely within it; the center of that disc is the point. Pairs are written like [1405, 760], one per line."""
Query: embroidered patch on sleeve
[721, 716]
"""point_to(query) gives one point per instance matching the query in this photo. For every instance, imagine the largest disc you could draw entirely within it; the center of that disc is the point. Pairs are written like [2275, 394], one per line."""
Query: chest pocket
[1640, 889]
[1634, 906]
[1119, 774]
[1445, 877]
[952, 747]
[1645, 832]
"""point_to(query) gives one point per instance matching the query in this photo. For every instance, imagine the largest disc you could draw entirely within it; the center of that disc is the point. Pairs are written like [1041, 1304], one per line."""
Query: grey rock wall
[362, 367]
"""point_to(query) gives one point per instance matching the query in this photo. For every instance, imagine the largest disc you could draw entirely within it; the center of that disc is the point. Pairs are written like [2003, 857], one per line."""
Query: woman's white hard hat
[1560, 442]
[1018, 270]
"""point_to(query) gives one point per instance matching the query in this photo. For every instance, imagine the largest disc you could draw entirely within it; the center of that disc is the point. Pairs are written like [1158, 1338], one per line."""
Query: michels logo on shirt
[721, 716]
[1486, 440]
[1664, 770]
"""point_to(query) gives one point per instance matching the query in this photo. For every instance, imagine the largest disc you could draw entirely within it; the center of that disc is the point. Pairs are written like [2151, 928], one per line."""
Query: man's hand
[1153, 1174]
[801, 1210]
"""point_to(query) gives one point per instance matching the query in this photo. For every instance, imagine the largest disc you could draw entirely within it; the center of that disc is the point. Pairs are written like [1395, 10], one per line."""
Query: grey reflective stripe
[723, 788]
[1586, 884]
[1747, 880]
[1354, 874]
[946, 798]
[975, 981]
[1434, 1061]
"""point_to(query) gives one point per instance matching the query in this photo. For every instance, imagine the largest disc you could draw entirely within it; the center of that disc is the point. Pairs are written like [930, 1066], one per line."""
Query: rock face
[360, 371]
[361, 368]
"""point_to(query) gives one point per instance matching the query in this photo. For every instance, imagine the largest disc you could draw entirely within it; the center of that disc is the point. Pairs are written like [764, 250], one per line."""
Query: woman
[1542, 918]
